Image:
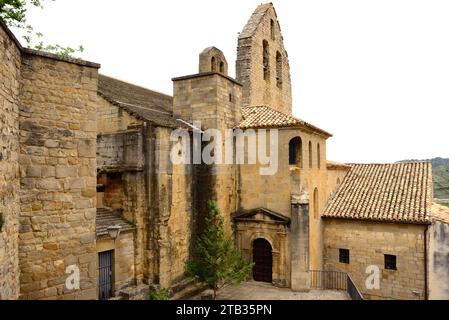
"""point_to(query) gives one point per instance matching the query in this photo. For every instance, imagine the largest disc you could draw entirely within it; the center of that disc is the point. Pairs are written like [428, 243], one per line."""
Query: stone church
[88, 188]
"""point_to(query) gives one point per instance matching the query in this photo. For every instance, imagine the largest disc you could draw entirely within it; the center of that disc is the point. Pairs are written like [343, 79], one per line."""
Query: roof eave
[427, 222]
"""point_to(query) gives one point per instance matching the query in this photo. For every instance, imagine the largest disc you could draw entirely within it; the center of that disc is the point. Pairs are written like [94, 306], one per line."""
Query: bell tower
[262, 62]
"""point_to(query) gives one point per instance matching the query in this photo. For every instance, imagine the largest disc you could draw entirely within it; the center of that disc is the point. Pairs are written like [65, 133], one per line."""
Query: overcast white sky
[373, 73]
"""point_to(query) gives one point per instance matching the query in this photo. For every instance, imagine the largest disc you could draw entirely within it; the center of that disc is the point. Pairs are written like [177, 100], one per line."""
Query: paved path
[264, 291]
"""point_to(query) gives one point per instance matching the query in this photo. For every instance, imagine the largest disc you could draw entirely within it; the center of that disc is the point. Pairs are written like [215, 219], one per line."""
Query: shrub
[162, 294]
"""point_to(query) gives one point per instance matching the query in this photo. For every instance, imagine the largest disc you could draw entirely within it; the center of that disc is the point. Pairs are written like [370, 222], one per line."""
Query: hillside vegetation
[440, 177]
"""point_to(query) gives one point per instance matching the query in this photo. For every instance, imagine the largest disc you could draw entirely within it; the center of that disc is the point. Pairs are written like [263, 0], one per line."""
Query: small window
[344, 256]
[230, 97]
[213, 66]
[221, 67]
[272, 30]
[295, 152]
[390, 262]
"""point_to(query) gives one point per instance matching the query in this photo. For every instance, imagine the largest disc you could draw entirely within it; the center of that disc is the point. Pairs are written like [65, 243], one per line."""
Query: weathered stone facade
[262, 62]
[213, 100]
[367, 243]
[257, 190]
[10, 62]
[83, 155]
[49, 112]
[137, 176]
[58, 178]
[438, 254]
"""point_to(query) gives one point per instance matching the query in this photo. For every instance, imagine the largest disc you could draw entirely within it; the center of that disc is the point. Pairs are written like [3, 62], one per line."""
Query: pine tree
[217, 262]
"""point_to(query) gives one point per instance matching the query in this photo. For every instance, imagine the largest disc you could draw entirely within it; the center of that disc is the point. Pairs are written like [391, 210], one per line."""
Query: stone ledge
[206, 74]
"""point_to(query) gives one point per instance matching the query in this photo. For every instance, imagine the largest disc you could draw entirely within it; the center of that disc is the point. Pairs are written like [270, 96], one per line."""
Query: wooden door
[263, 260]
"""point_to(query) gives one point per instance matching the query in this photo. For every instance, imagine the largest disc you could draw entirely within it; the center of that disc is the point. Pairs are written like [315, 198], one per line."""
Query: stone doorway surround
[273, 227]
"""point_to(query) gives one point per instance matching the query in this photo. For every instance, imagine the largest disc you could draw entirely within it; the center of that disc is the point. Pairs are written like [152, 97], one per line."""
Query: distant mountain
[440, 177]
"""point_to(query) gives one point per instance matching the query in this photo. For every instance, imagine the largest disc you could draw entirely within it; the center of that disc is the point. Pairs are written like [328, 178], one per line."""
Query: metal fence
[352, 290]
[334, 280]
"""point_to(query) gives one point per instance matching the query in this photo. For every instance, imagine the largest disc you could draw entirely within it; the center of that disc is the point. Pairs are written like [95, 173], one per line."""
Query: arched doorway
[263, 261]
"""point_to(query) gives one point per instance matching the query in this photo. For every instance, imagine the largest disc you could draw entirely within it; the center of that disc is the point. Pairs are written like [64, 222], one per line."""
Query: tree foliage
[162, 294]
[217, 262]
[13, 12]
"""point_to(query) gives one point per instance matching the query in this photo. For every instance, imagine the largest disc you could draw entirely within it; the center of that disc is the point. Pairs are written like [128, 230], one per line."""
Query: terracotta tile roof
[400, 192]
[440, 213]
[107, 217]
[267, 117]
[140, 102]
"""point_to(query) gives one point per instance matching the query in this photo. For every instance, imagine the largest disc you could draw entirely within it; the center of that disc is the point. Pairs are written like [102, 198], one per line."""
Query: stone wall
[121, 162]
[120, 151]
[10, 62]
[439, 260]
[274, 191]
[113, 119]
[215, 101]
[58, 124]
[124, 270]
[172, 212]
[368, 243]
[134, 162]
[256, 89]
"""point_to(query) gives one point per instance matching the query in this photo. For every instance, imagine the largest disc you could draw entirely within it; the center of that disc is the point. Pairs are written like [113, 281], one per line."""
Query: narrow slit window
[266, 60]
[213, 67]
[310, 155]
[318, 155]
[278, 69]
[316, 208]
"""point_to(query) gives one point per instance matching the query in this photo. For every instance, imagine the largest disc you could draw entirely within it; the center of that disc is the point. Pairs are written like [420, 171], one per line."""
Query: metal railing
[334, 280]
[352, 290]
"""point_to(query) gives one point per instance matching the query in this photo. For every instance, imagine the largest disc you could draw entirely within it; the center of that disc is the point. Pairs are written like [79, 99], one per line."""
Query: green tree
[217, 262]
[13, 12]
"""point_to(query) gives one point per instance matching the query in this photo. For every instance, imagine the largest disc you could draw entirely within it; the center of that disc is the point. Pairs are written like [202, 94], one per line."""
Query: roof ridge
[387, 163]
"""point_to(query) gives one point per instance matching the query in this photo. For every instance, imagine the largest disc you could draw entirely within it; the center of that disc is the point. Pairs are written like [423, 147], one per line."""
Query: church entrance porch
[263, 261]
[262, 237]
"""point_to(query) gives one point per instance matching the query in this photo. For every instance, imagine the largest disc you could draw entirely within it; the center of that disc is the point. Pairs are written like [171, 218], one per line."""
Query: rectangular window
[390, 262]
[344, 256]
